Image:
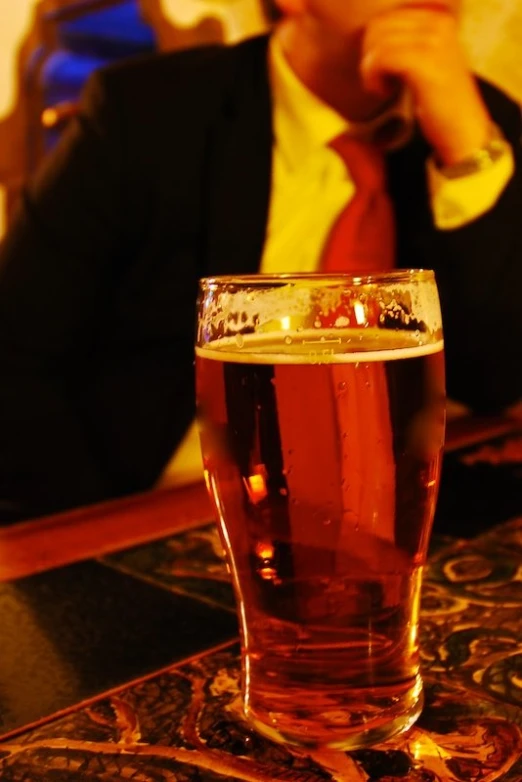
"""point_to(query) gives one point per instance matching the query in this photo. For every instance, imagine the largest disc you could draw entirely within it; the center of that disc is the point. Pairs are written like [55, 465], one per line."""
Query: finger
[380, 70]
[395, 38]
[406, 49]
[398, 46]
[436, 6]
[410, 61]
[416, 23]
[378, 80]
[402, 42]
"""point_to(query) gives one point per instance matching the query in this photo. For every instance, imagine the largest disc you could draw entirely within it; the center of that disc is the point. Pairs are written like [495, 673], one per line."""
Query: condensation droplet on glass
[342, 385]
[327, 522]
[317, 323]
[288, 340]
[240, 340]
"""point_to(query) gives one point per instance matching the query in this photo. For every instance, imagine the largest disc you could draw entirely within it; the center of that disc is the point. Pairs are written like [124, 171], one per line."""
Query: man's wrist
[484, 157]
[472, 190]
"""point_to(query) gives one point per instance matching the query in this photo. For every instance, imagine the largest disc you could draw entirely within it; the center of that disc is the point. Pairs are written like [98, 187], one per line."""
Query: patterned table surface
[179, 717]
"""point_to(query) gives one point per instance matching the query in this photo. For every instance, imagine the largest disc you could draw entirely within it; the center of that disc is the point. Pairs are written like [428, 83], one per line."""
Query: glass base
[359, 722]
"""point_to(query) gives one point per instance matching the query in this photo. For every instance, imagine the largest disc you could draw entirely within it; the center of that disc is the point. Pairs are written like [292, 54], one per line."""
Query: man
[175, 169]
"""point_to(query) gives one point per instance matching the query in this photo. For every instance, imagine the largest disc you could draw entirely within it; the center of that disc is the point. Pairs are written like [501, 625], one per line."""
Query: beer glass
[321, 410]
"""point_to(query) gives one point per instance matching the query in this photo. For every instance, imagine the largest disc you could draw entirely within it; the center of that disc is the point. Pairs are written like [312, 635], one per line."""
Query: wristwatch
[485, 157]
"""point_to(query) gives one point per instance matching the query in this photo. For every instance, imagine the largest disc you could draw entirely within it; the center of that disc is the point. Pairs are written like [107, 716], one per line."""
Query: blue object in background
[112, 32]
[86, 37]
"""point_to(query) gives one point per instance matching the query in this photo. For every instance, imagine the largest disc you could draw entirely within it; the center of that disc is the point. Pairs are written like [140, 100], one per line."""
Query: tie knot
[364, 161]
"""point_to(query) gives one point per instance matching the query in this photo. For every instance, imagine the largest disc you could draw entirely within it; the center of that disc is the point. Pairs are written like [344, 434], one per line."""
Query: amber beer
[322, 454]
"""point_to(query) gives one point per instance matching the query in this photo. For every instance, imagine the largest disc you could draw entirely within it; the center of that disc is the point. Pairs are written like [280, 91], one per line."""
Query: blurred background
[48, 48]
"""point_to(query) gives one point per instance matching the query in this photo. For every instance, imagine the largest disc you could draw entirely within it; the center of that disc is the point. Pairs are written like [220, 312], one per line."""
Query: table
[119, 654]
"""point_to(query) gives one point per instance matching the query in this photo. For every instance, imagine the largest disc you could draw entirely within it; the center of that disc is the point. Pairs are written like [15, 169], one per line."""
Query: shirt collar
[303, 123]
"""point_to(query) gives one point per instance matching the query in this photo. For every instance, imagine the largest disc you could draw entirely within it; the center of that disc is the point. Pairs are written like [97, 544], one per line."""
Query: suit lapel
[239, 169]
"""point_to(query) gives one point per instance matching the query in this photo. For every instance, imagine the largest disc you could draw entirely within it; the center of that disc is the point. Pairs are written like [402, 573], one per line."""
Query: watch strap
[485, 157]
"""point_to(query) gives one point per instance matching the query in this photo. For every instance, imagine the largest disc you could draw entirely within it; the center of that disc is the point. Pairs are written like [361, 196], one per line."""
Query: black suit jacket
[162, 178]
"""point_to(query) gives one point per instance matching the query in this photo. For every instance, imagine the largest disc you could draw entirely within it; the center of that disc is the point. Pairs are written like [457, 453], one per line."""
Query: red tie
[363, 236]
[358, 466]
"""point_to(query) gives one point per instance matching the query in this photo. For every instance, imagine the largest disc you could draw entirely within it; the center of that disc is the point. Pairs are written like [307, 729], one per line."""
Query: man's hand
[419, 44]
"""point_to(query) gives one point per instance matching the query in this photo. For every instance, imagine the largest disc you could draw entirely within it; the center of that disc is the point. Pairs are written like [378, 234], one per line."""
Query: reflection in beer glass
[321, 413]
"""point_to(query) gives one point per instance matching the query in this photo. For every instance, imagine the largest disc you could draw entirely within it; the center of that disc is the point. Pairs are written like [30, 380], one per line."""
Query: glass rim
[342, 278]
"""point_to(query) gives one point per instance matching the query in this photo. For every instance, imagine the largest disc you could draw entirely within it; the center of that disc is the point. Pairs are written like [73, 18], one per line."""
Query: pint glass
[321, 410]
